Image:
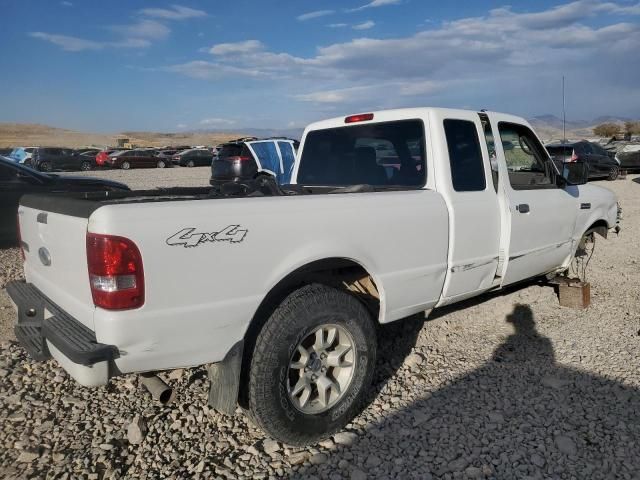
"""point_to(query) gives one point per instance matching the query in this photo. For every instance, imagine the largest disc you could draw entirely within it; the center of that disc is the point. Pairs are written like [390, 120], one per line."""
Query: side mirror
[575, 173]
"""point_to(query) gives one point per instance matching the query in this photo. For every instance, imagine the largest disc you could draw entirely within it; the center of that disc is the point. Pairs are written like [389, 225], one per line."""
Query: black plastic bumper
[72, 338]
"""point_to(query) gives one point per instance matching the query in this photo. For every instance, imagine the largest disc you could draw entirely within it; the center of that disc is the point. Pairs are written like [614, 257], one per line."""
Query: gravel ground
[510, 385]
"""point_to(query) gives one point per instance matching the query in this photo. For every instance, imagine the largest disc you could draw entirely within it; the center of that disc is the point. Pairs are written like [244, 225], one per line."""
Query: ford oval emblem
[45, 256]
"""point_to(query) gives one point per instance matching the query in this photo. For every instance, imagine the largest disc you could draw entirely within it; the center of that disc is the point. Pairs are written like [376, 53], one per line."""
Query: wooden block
[574, 295]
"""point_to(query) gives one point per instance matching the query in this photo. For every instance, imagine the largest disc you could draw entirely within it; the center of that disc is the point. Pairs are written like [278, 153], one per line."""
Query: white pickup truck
[280, 289]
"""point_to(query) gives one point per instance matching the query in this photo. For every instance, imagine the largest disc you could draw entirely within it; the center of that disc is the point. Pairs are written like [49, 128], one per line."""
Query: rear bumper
[45, 331]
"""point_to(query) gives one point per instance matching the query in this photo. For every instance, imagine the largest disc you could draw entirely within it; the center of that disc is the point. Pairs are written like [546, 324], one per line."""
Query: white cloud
[181, 126]
[209, 70]
[66, 4]
[217, 122]
[364, 25]
[68, 43]
[177, 12]
[338, 25]
[363, 92]
[248, 46]
[375, 4]
[149, 29]
[503, 52]
[314, 14]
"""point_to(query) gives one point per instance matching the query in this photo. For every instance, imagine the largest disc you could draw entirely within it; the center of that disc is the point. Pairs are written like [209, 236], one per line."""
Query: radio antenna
[564, 116]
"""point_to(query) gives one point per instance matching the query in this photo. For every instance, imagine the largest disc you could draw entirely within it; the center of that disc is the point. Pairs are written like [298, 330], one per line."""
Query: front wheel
[125, 165]
[312, 364]
[161, 164]
[44, 166]
[85, 166]
[613, 173]
[191, 163]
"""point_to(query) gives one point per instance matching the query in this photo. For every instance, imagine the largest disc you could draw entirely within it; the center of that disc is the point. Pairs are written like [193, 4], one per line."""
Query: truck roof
[401, 114]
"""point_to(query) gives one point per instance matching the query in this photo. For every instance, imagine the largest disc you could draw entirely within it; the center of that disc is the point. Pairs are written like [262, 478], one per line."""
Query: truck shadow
[396, 340]
[520, 415]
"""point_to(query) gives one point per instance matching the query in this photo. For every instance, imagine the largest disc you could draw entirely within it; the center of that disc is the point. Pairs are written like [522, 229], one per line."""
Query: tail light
[20, 237]
[361, 117]
[116, 276]
[574, 157]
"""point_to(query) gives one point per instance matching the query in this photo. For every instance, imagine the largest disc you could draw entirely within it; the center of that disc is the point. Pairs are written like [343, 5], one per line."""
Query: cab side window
[528, 164]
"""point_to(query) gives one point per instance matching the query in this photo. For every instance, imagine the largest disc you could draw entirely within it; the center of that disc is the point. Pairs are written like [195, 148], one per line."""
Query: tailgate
[56, 259]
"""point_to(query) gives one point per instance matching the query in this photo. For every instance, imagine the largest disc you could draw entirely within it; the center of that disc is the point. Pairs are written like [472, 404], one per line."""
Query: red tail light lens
[574, 157]
[361, 117]
[116, 276]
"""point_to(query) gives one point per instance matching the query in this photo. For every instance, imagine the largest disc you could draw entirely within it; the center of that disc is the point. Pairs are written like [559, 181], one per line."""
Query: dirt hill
[21, 134]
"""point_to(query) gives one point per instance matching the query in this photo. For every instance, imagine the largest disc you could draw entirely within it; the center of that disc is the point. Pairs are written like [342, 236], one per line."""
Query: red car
[127, 159]
[103, 156]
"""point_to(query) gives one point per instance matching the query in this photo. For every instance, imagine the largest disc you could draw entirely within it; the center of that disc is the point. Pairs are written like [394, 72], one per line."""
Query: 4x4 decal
[187, 237]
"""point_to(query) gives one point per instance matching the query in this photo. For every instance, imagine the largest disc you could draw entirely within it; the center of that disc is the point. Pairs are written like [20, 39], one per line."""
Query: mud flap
[225, 380]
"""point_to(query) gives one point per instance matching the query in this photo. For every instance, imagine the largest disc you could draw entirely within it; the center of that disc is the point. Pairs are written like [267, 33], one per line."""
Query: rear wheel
[85, 166]
[125, 165]
[161, 164]
[311, 366]
[44, 166]
[613, 173]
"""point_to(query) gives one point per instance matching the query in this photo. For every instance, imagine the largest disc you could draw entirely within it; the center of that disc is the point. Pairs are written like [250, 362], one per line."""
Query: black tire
[191, 163]
[125, 165]
[613, 173]
[27, 162]
[161, 164]
[44, 166]
[270, 405]
[86, 166]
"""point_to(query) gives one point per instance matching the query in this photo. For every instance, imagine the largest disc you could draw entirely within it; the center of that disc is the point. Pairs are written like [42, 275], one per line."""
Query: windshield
[377, 154]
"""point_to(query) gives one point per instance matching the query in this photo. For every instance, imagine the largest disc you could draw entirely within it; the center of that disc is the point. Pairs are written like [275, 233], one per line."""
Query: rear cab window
[383, 154]
[465, 156]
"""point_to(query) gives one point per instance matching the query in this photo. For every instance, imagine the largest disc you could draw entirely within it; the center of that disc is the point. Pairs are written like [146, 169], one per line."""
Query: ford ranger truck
[279, 290]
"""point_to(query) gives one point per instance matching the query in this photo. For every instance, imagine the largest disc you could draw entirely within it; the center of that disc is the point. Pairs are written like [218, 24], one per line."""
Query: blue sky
[124, 65]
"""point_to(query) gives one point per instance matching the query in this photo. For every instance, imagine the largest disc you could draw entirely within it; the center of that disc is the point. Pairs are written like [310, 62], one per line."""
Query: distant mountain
[549, 127]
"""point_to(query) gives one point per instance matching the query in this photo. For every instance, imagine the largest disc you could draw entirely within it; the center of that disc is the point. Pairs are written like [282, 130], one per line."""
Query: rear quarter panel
[200, 299]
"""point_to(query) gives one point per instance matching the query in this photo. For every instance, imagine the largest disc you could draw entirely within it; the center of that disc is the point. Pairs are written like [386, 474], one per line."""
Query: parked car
[242, 160]
[167, 153]
[16, 180]
[196, 157]
[103, 156]
[47, 159]
[600, 162]
[628, 156]
[288, 285]
[88, 152]
[137, 158]
[6, 151]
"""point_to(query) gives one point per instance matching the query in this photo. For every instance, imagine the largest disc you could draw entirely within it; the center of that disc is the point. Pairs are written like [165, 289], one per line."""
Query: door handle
[522, 208]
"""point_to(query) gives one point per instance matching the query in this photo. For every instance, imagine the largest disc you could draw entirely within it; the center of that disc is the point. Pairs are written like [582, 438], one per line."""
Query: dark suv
[598, 160]
[47, 159]
[246, 158]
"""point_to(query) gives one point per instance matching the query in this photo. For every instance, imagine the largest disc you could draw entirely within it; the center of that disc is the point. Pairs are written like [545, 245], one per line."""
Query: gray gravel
[508, 386]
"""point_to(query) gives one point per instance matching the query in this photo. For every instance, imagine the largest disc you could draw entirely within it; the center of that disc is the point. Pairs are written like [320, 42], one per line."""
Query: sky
[108, 66]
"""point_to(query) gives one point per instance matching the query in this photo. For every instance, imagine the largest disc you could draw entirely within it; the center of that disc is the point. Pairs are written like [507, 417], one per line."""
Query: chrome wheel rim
[321, 369]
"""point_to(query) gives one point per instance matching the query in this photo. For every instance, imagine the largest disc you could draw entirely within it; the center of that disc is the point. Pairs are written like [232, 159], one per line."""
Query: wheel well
[600, 227]
[340, 273]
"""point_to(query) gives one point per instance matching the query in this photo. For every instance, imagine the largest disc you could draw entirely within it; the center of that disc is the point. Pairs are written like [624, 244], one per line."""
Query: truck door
[464, 179]
[542, 216]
